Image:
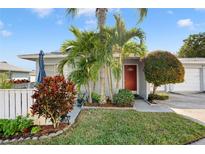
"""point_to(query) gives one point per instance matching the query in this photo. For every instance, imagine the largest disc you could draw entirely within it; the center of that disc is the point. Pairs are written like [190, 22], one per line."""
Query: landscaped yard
[98, 126]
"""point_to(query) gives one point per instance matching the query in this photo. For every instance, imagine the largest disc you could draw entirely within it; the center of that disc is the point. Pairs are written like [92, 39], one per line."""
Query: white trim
[192, 60]
[123, 76]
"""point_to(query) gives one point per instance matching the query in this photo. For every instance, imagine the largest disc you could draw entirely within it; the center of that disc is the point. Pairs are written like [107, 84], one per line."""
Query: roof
[55, 54]
[4, 66]
[58, 54]
[33, 57]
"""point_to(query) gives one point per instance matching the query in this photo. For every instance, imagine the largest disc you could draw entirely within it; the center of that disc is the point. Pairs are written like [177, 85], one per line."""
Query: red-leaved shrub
[54, 97]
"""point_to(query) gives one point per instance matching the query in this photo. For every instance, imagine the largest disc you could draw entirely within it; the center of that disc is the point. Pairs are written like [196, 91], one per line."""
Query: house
[32, 76]
[133, 77]
[14, 72]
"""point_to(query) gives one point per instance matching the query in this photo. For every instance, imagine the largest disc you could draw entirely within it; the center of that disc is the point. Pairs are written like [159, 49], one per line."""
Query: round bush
[123, 97]
[162, 67]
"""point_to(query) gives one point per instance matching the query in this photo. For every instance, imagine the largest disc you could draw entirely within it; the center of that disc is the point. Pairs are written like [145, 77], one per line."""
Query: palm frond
[142, 14]
[71, 11]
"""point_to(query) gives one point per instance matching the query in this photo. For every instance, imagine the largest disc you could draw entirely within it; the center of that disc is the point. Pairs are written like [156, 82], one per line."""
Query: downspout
[203, 77]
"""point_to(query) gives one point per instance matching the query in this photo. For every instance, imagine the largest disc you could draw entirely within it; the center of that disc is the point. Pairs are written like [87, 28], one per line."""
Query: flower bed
[108, 104]
[124, 98]
[19, 81]
[46, 131]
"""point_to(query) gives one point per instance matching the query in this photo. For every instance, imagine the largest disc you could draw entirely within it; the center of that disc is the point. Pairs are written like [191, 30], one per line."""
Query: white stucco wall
[142, 85]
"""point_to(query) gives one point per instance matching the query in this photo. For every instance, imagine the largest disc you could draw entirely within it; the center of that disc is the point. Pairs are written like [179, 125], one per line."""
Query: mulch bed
[45, 130]
[107, 105]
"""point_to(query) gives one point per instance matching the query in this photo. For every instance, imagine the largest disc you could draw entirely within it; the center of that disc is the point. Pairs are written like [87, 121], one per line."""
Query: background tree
[101, 14]
[194, 46]
[162, 67]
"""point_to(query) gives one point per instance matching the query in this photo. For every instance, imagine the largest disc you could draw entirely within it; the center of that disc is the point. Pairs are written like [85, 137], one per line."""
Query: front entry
[130, 77]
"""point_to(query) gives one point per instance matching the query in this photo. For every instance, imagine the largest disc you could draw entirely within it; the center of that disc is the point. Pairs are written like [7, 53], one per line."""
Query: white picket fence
[14, 102]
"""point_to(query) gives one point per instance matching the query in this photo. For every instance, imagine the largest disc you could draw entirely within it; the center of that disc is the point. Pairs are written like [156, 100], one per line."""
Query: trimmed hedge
[123, 97]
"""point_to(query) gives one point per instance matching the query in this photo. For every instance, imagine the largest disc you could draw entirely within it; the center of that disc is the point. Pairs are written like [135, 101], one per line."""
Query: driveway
[191, 105]
[186, 100]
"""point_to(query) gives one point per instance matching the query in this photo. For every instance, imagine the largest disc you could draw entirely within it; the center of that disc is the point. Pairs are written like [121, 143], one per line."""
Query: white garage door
[191, 83]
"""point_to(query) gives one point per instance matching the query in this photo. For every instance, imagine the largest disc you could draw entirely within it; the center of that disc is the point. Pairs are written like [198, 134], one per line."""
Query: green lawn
[98, 126]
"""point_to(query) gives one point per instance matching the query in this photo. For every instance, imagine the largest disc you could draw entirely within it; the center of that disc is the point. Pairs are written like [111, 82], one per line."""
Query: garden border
[108, 108]
[50, 135]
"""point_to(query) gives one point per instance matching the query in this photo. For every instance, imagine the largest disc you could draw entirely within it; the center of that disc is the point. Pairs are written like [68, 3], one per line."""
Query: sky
[25, 31]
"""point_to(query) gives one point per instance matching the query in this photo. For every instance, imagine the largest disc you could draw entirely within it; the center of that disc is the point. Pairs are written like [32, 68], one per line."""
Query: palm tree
[101, 18]
[83, 57]
[120, 37]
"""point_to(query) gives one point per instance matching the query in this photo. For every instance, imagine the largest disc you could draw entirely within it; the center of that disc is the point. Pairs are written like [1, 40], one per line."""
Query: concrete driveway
[191, 105]
[186, 100]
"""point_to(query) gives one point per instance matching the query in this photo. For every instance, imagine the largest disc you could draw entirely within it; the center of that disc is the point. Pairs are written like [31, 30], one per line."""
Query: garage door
[191, 83]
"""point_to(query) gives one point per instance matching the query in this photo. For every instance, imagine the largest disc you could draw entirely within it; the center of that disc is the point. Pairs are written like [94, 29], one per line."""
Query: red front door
[130, 72]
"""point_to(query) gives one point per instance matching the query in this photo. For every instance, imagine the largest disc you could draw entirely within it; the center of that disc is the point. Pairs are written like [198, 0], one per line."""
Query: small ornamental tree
[54, 97]
[161, 68]
[194, 46]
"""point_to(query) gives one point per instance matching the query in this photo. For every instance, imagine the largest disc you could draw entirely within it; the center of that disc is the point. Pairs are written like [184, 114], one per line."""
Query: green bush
[10, 127]
[159, 96]
[123, 97]
[162, 67]
[4, 82]
[95, 97]
[194, 46]
[54, 97]
[35, 129]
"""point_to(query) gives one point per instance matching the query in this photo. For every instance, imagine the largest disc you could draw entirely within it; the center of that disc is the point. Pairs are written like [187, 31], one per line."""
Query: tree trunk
[111, 86]
[55, 122]
[109, 82]
[102, 85]
[89, 92]
[117, 85]
[94, 85]
[118, 81]
[154, 89]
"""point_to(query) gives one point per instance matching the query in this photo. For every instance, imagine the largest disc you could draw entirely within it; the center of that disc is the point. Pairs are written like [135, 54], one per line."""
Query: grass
[98, 126]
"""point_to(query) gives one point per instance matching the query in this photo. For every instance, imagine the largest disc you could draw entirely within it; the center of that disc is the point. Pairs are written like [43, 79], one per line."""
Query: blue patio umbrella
[41, 71]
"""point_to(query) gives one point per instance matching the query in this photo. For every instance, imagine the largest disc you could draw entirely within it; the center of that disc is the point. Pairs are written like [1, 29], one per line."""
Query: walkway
[142, 106]
[74, 114]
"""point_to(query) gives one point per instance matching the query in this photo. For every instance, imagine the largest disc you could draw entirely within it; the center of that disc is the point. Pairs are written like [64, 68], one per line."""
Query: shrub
[123, 97]
[159, 96]
[4, 82]
[194, 46]
[35, 129]
[54, 97]
[161, 68]
[10, 127]
[95, 97]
